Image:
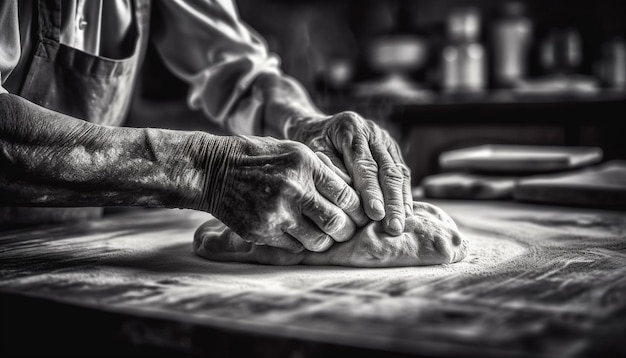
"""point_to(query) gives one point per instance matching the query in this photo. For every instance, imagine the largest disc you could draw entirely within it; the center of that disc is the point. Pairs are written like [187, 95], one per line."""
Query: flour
[530, 280]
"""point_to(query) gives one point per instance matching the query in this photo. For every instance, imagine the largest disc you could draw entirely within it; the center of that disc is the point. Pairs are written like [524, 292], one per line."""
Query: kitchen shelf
[505, 107]
[498, 106]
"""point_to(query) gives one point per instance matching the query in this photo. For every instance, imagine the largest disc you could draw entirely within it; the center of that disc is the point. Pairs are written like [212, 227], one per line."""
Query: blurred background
[440, 74]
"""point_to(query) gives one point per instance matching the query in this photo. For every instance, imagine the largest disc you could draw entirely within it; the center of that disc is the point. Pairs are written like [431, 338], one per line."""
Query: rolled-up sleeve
[205, 43]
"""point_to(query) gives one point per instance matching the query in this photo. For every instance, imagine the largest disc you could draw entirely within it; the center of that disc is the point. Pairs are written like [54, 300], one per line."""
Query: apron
[81, 85]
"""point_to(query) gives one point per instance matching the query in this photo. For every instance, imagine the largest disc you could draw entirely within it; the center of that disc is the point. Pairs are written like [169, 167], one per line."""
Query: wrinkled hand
[370, 157]
[279, 193]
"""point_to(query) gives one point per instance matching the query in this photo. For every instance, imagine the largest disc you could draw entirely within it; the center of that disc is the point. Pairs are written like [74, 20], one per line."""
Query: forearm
[49, 159]
[286, 104]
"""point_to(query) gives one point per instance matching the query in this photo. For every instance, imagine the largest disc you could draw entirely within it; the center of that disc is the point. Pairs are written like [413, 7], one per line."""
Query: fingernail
[408, 209]
[395, 225]
[323, 245]
[377, 205]
[328, 242]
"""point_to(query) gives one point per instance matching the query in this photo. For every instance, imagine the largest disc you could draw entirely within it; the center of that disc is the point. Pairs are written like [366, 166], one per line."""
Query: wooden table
[540, 281]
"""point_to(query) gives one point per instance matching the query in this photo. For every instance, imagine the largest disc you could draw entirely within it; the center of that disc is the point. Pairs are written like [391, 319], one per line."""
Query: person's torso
[67, 69]
[78, 81]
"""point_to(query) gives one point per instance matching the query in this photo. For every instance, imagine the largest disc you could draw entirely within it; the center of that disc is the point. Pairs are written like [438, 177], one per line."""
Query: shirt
[203, 42]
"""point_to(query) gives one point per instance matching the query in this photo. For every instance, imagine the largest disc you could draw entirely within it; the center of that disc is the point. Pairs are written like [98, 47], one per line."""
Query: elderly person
[68, 68]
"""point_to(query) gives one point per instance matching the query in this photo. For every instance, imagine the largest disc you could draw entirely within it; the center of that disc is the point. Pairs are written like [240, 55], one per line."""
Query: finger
[328, 217]
[327, 147]
[364, 172]
[335, 165]
[310, 236]
[406, 189]
[406, 173]
[330, 185]
[391, 182]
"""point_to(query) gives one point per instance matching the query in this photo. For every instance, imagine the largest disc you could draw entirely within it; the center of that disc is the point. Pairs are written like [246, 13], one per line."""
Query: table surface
[539, 281]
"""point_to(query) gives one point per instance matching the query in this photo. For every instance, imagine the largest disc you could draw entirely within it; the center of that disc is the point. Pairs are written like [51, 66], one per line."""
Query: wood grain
[539, 281]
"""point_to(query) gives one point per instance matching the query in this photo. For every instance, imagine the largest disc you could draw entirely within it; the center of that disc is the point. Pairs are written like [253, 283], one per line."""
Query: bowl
[397, 53]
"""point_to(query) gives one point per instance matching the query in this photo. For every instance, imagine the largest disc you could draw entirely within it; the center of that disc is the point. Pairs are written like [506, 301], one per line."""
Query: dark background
[310, 36]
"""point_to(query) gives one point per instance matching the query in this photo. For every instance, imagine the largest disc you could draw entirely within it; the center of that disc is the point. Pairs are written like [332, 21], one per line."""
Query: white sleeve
[205, 43]
[9, 40]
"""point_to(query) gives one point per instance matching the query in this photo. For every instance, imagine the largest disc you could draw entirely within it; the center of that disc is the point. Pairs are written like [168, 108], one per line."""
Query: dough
[430, 238]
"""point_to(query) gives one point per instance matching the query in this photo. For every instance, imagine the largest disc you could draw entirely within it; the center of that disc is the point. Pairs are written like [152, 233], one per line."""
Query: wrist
[303, 128]
[207, 161]
[287, 105]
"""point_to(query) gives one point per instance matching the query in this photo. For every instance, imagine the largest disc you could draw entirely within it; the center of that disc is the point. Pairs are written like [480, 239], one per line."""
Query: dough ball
[430, 237]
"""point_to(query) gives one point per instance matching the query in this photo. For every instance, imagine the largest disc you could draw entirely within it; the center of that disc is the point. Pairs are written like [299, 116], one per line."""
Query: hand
[279, 193]
[369, 156]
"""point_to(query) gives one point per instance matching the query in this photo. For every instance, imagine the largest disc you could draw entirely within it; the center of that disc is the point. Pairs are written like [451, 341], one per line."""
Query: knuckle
[391, 173]
[365, 167]
[307, 200]
[346, 199]
[345, 123]
[334, 224]
[373, 126]
[406, 172]
[392, 146]
[372, 193]
[360, 150]
[395, 208]
[319, 143]
[300, 152]
[349, 116]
